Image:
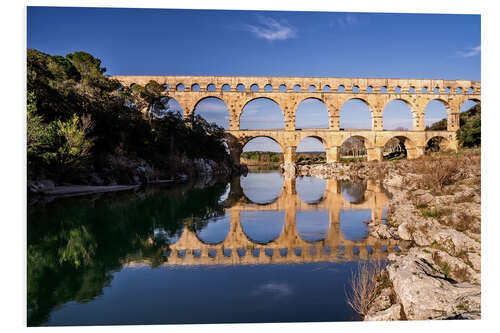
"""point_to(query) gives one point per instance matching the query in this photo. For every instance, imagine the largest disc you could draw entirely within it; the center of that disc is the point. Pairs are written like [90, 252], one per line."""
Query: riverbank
[435, 212]
[436, 208]
[141, 175]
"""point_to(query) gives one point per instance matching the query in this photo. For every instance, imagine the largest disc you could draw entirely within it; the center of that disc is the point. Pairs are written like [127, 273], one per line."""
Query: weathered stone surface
[390, 314]
[425, 293]
[380, 231]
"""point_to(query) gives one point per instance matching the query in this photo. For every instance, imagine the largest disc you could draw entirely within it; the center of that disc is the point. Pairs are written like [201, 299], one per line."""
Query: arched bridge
[288, 92]
[289, 246]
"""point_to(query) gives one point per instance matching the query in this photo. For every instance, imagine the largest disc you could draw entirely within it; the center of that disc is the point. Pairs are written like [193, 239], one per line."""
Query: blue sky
[269, 43]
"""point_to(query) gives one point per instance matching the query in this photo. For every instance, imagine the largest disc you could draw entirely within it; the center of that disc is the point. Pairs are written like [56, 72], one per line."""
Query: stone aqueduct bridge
[376, 93]
[239, 249]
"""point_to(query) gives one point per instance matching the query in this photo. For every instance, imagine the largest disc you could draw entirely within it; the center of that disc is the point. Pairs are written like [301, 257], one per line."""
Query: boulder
[390, 314]
[425, 293]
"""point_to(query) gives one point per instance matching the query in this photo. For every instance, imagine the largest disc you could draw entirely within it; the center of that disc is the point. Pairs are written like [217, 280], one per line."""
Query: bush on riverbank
[79, 119]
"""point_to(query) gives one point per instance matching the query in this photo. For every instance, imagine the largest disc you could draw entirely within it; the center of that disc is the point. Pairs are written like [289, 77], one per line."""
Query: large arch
[215, 230]
[311, 149]
[397, 115]
[214, 110]
[437, 143]
[311, 113]
[262, 227]
[404, 143]
[310, 190]
[173, 106]
[435, 115]
[312, 226]
[355, 113]
[355, 146]
[262, 113]
[468, 103]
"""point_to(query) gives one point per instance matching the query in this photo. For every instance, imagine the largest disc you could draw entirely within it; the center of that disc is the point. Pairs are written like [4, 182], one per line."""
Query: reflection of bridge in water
[238, 249]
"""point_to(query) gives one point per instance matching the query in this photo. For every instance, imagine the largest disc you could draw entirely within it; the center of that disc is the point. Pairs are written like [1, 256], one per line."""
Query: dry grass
[364, 286]
[439, 171]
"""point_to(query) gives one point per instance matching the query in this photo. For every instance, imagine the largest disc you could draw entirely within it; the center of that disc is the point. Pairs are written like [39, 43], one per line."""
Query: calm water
[258, 249]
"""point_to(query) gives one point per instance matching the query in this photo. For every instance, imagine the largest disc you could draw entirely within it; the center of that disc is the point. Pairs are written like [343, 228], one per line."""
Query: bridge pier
[415, 152]
[375, 153]
[332, 154]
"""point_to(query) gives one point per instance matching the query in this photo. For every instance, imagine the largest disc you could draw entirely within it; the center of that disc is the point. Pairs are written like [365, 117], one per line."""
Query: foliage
[469, 134]
[64, 93]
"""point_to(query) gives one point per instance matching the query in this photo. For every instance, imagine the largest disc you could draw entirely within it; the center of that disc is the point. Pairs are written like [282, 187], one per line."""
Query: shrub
[364, 286]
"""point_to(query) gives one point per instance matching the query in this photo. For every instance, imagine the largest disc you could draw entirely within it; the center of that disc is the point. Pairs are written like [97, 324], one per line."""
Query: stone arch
[195, 87]
[173, 105]
[355, 111]
[282, 88]
[240, 87]
[225, 87]
[254, 88]
[306, 146]
[353, 192]
[180, 87]
[268, 88]
[395, 106]
[269, 120]
[211, 87]
[327, 88]
[465, 101]
[297, 88]
[312, 226]
[355, 146]
[436, 110]
[316, 111]
[244, 141]
[437, 143]
[215, 231]
[311, 88]
[407, 147]
[216, 113]
[247, 218]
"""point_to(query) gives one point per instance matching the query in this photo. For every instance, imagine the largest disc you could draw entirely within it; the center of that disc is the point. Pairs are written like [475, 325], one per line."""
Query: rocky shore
[121, 174]
[435, 212]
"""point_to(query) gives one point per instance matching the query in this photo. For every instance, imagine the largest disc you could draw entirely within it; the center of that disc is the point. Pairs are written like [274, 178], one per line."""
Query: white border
[13, 20]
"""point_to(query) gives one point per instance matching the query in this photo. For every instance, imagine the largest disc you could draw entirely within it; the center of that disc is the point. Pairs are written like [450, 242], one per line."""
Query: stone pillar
[332, 154]
[289, 186]
[377, 121]
[289, 154]
[418, 121]
[334, 233]
[334, 122]
[375, 153]
[289, 161]
[234, 120]
[453, 121]
[415, 152]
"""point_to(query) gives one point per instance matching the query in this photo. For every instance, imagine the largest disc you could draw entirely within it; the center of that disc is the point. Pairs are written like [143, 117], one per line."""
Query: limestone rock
[425, 293]
[390, 314]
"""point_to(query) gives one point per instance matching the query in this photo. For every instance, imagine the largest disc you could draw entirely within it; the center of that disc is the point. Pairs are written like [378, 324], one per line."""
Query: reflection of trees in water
[75, 244]
[354, 192]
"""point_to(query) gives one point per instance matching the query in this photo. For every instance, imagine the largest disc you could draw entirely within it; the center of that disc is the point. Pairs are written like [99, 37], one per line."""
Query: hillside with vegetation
[85, 128]
[469, 134]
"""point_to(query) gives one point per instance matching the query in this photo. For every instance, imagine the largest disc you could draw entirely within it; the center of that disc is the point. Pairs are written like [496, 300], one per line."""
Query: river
[259, 248]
